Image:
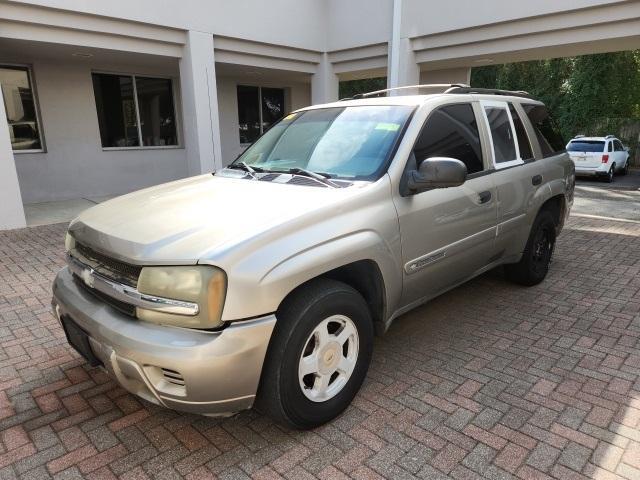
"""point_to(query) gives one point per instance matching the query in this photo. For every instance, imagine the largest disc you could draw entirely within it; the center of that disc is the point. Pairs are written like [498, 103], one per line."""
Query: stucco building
[102, 98]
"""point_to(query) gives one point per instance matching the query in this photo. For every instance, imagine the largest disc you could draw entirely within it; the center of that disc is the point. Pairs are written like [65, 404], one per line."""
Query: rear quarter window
[547, 132]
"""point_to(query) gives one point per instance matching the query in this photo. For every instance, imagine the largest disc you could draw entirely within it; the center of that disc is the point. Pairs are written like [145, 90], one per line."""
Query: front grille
[111, 268]
[123, 307]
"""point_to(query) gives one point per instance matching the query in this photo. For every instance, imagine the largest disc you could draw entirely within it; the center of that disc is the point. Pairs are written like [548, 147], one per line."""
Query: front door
[447, 234]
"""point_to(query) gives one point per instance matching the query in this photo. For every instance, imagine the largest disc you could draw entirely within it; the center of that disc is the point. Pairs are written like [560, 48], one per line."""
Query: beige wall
[74, 164]
[299, 23]
[419, 19]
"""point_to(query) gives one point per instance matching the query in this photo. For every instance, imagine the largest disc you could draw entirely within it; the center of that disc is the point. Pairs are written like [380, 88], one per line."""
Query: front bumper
[210, 373]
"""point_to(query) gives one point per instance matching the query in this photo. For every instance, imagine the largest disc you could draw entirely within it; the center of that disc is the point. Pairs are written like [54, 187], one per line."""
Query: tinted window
[248, 113]
[258, 109]
[521, 134]
[272, 106]
[610, 148]
[19, 102]
[585, 146]
[618, 146]
[155, 102]
[547, 132]
[119, 111]
[504, 147]
[451, 131]
[116, 110]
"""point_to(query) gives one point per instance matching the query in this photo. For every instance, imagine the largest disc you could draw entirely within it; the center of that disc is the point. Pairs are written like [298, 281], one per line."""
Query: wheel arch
[557, 206]
[366, 278]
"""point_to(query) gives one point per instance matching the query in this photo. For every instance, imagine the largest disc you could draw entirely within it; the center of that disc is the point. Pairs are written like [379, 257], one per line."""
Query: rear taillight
[605, 158]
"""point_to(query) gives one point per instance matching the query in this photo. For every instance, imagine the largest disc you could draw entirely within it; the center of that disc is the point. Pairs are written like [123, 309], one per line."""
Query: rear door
[515, 175]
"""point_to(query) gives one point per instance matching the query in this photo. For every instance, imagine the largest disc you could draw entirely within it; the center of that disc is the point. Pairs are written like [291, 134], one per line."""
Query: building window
[20, 104]
[135, 111]
[258, 109]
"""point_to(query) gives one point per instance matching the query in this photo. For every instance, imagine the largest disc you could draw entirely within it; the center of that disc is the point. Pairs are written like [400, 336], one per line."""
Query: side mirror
[436, 172]
[626, 149]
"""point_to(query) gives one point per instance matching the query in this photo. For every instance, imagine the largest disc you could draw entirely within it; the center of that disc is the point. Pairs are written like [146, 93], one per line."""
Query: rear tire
[534, 264]
[610, 174]
[318, 355]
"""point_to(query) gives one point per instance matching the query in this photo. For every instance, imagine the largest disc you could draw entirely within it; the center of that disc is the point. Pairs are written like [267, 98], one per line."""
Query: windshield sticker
[391, 127]
[291, 116]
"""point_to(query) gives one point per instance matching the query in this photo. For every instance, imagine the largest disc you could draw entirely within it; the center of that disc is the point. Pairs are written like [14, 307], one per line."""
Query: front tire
[625, 170]
[534, 264]
[318, 356]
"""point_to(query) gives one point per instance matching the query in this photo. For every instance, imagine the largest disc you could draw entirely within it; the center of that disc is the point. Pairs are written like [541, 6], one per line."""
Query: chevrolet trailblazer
[265, 281]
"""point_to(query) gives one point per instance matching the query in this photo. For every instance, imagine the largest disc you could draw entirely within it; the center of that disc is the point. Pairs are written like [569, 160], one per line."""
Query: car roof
[416, 100]
[592, 139]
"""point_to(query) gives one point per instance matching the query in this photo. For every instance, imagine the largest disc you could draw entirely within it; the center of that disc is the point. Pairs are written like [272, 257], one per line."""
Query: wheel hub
[328, 358]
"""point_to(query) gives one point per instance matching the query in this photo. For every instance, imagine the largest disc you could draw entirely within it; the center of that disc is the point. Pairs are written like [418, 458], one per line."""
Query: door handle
[484, 196]
[536, 180]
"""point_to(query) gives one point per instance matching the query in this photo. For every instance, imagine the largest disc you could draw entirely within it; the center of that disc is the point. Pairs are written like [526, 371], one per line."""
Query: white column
[11, 209]
[324, 83]
[200, 104]
[402, 67]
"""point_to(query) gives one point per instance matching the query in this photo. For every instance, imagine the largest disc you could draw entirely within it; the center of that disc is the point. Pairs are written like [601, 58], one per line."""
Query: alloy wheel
[328, 358]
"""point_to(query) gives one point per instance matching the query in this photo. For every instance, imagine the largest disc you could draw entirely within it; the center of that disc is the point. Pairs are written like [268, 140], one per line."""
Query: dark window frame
[36, 106]
[133, 76]
[262, 130]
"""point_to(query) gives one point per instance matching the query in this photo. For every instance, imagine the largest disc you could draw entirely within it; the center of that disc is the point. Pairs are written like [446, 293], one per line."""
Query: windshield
[340, 142]
[586, 146]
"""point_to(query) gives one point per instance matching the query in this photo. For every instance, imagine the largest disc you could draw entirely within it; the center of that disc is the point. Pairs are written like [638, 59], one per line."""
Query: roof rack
[488, 91]
[610, 136]
[432, 86]
[579, 136]
[459, 88]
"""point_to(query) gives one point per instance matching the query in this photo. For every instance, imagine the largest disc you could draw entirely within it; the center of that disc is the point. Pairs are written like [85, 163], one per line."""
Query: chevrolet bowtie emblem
[87, 277]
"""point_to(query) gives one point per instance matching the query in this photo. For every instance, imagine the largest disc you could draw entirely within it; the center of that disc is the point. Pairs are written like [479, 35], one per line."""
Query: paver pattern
[490, 380]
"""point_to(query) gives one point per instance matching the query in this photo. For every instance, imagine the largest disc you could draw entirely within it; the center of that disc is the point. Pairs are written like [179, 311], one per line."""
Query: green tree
[590, 94]
[349, 88]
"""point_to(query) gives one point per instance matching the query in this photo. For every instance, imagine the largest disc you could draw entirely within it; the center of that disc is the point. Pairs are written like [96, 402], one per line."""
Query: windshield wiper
[322, 178]
[243, 166]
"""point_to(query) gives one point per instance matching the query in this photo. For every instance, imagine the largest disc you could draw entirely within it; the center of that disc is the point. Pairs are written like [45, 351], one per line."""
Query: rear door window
[551, 142]
[586, 146]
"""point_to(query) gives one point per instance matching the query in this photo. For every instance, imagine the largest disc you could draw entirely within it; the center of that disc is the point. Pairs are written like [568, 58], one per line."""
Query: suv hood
[194, 218]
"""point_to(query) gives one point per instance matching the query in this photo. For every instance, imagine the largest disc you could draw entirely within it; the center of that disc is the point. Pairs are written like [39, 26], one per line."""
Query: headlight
[204, 285]
[69, 243]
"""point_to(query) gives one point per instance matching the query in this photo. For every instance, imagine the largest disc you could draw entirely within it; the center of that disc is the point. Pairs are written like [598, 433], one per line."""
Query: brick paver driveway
[491, 380]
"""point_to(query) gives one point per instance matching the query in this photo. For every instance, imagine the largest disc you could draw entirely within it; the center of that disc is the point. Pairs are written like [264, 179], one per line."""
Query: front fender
[250, 296]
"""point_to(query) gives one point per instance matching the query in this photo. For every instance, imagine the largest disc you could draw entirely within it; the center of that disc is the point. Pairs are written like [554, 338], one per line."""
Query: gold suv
[265, 281]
